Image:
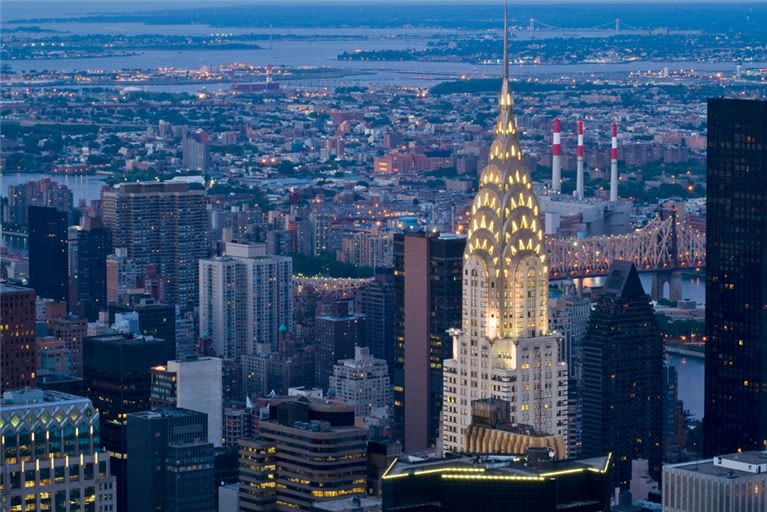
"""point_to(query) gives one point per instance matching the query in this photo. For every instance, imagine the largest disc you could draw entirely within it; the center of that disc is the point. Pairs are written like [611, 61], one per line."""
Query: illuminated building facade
[51, 456]
[308, 450]
[504, 348]
[17, 337]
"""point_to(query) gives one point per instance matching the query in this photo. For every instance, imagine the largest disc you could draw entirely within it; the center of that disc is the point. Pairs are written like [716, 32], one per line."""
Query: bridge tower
[674, 280]
[671, 275]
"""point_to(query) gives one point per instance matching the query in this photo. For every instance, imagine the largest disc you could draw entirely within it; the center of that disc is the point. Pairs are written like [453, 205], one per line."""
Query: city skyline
[383, 256]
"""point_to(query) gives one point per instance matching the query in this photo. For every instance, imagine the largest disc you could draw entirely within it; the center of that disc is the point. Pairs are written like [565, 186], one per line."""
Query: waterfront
[297, 53]
[85, 188]
[317, 47]
[691, 374]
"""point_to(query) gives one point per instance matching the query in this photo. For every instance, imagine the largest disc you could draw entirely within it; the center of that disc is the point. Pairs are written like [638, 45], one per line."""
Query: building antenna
[506, 39]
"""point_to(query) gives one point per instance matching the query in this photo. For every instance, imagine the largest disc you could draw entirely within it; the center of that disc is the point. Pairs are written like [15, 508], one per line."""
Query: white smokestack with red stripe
[269, 74]
[556, 159]
[579, 170]
[614, 164]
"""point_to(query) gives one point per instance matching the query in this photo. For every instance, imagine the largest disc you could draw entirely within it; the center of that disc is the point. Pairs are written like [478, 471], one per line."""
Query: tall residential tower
[161, 224]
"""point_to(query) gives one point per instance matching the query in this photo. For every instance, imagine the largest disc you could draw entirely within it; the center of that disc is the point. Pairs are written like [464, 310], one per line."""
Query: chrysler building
[504, 348]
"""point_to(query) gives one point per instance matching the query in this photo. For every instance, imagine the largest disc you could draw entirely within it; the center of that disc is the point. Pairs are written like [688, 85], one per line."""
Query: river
[84, 188]
[323, 52]
[691, 373]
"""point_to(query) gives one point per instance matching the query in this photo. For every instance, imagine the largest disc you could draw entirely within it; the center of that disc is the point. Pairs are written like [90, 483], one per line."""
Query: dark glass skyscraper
[48, 258]
[171, 463]
[622, 376]
[428, 271]
[116, 373]
[735, 416]
[89, 278]
[154, 319]
[377, 304]
[337, 334]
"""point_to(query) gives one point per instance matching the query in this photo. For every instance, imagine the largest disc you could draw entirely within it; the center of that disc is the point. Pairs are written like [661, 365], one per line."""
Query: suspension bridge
[616, 25]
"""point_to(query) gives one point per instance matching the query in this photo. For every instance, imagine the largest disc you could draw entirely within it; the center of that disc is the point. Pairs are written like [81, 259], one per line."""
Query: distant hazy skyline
[159, 4]
[51, 9]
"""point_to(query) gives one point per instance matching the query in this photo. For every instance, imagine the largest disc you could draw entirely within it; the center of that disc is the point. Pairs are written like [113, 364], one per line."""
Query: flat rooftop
[115, 338]
[12, 288]
[731, 466]
[495, 467]
[29, 397]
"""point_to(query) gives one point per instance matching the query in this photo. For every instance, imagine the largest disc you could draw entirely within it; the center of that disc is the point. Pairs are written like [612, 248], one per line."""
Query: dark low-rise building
[498, 483]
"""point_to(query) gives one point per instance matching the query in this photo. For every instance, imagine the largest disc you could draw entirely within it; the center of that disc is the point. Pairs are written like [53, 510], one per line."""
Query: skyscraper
[427, 283]
[569, 317]
[504, 348]
[48, 255]
[171, 463]
[89, 246]
[44, 192]
[622, 376]
[17, 337]
[735, 415]
[51, 457]
[376, 301]
[161, 224]
[116, 371]
[245, 296]
[338, 332]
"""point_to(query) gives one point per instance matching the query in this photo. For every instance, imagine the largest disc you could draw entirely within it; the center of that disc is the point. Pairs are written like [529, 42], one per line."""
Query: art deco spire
[506, 40]
[505, 239]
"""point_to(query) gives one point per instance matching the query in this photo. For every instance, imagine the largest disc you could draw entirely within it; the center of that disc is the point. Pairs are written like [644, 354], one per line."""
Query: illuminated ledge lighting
[450, 470]
[474, 473]
[386, 473]
[494, 477]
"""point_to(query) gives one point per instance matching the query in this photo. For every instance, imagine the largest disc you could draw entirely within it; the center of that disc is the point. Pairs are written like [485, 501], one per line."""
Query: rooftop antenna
[506, 39]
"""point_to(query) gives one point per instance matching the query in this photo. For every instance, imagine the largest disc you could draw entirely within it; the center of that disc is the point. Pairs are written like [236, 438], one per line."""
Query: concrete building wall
[417, 300]
[199, 388]
[688, 490]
